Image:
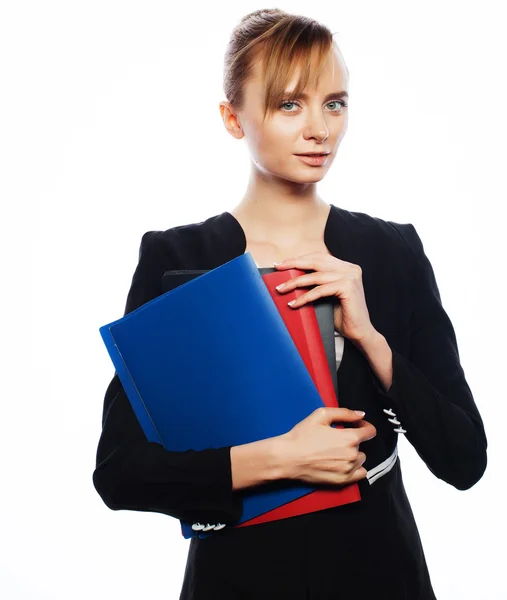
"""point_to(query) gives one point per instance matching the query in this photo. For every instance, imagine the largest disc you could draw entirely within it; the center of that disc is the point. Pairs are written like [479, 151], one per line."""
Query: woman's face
[316, 123]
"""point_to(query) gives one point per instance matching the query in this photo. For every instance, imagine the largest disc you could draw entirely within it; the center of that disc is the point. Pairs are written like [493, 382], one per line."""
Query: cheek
[272, 146]
[342, 129]
[288, 131]
[280, 140]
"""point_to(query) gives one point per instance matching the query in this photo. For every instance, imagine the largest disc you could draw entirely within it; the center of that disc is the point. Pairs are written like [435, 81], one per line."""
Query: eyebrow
[342, 94]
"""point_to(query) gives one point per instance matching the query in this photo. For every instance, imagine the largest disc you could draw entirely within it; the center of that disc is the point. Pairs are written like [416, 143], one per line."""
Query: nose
[316, 127]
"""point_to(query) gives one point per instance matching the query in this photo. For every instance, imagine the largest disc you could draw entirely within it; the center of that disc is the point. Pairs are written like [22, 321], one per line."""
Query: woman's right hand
[315, 452]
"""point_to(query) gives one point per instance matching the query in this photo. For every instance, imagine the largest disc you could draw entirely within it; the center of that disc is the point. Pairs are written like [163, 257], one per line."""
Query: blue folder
[211, 364]
[324, 311]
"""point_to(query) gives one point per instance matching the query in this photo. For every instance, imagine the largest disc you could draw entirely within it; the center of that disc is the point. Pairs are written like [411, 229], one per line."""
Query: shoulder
[181, 242]
[159, 251]
[179, 234]
[386, 249]
[382, 233]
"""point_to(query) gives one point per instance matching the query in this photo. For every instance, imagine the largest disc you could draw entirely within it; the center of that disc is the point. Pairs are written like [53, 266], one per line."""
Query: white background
[110, 127]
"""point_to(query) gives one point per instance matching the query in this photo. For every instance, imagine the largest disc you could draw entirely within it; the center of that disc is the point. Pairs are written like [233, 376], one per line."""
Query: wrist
[284, 462]
[369, 340]
[258, 462]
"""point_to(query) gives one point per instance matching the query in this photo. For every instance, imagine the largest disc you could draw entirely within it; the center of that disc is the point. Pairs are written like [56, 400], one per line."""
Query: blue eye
[343, 104]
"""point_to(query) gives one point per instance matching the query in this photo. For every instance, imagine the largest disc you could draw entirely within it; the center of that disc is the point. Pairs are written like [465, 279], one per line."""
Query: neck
[270, 217]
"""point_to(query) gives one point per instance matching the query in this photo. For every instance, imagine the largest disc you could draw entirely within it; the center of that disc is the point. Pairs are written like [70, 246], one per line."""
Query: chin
[305, 179]
[311, 174]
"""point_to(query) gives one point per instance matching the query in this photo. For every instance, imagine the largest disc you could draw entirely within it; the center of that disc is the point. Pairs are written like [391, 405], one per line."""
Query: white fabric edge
[383, 468]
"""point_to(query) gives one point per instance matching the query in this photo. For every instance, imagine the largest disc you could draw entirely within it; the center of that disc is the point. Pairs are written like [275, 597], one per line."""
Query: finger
[359, 473]
[356, 463]
[332, 414]
[365, 432]
[321, 291]
[315, 278]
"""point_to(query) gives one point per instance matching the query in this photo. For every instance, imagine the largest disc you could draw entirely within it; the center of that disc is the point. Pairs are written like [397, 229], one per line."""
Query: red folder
[304, 329]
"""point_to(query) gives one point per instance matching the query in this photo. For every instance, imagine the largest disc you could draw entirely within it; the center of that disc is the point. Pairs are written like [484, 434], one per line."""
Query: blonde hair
[281, 43]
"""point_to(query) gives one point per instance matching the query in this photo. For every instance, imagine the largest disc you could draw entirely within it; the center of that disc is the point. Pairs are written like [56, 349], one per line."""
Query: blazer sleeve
[429, 392]
[134, 474]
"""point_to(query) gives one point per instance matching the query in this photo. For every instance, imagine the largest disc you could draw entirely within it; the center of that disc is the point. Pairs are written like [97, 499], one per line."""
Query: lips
[314, 160]
[311, 154]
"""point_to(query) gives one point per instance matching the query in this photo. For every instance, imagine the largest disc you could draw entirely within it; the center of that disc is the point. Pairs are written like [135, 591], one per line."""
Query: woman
[397, 355]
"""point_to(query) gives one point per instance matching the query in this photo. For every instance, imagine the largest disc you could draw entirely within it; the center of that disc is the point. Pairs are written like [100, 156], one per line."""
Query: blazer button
[197, 526]
[400, 430]
[389, 412]
[208, 527]
[219, 526]
[395, 421]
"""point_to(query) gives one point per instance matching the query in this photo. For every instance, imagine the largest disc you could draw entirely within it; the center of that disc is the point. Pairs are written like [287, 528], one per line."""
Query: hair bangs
[305, 59]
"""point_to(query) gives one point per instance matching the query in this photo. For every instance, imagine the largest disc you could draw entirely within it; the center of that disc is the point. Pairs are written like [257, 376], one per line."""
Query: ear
[231, 119]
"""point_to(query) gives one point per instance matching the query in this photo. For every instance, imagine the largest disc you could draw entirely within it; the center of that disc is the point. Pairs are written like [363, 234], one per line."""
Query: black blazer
[429, 402]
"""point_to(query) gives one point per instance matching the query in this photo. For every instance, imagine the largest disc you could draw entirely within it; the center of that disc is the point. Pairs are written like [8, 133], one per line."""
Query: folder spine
[130, 387]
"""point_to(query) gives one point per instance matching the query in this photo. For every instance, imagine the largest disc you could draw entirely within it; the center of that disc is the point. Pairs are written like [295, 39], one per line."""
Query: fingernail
[360, 412]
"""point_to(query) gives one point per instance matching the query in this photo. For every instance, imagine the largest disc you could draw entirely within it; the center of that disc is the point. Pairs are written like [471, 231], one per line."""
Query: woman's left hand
[333, 277]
